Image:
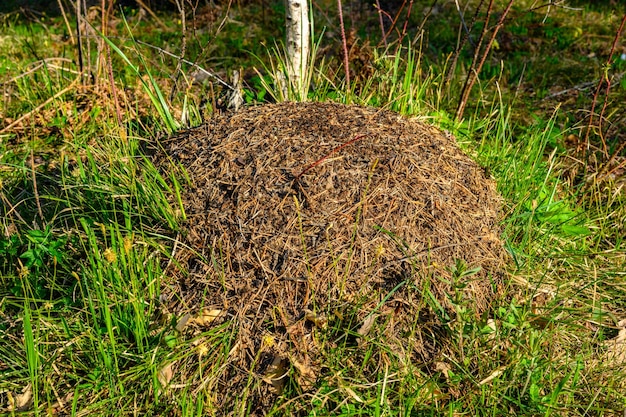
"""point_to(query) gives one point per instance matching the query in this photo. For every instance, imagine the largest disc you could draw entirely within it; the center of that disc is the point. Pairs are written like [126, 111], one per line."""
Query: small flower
[24, 272]
[202, 349]
[128, 243]
[109, 255]
[268, 340]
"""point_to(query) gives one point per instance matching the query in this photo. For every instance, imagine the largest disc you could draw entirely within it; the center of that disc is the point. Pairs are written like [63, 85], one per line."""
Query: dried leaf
[182, 323]
[353, 394]
[317, 319]
[367, 325]
[276, 374]
[23, 401]
[444, 368]
[493, 376]
[306, 375]
[165, 375]
[206, 317]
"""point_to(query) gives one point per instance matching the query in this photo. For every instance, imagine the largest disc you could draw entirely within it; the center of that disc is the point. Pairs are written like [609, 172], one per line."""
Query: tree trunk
[298, 33]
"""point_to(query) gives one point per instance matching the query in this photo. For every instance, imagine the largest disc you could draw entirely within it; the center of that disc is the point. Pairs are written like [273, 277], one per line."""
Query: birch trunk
[298, 33]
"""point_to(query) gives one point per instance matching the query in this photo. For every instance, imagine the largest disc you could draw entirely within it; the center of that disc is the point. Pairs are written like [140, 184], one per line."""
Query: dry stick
[458, 8]
[42, 105]
[464, 39]
[205, 49]
[86, 32]
[408, 16]
[67, 22]
[151, 13]
[482, 61]
[213, 100]
[79, 43]
[102, 58]
[322, 159]
[391, 19]
[604, 171]
[183, 48]
[193, 65]
[578, 87]
[12, 208]
[32, 167]
[477, 50]
[381, 23]
[395, 19]
[619, 149]
[118, 111]
[109, 63]
[605, 78]
[553, 3]
[38, 65]
[495, 33]
[601, 117]
[346, 62]
[419, 32]
[323, 13]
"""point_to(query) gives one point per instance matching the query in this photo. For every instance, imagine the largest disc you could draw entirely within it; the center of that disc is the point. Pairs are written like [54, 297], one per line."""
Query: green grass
[87, 231]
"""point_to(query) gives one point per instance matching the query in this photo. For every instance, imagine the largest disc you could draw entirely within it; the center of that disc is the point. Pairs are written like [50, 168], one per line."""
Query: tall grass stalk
[150, 86]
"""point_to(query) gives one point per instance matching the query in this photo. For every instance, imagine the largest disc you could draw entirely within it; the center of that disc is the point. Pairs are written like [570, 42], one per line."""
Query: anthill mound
[302, 215]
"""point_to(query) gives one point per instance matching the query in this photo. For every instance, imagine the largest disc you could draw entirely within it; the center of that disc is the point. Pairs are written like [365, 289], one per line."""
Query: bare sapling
[478, 61]
[609, 167]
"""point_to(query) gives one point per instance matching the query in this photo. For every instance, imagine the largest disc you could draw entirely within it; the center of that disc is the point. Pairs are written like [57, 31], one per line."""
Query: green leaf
[33, 258]
[576, 230]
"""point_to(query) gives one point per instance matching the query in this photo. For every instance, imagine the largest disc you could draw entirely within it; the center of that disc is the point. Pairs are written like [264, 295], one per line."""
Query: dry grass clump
[298, 213]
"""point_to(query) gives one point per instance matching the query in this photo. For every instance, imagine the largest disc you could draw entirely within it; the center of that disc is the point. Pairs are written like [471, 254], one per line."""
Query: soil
[306, 220]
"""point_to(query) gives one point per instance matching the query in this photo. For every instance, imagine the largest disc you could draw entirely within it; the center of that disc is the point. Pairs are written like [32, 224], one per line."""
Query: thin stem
[108, 62]
[395, 20]
[32, 167]
[605, 79]
[346, 62]
[408, 16]
[473, 75]
[380, 21]
[464, 39]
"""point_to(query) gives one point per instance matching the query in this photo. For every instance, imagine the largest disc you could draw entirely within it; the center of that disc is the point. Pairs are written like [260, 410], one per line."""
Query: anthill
[305, 217]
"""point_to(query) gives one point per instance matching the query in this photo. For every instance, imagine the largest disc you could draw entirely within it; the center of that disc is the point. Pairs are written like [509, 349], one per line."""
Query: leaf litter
[305, 217]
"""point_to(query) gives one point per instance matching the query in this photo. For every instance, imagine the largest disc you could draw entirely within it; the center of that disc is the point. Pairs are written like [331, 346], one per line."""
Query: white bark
[298, 34]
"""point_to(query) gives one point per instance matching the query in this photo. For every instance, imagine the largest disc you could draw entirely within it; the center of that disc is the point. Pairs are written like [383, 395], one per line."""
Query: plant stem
[346, 62]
